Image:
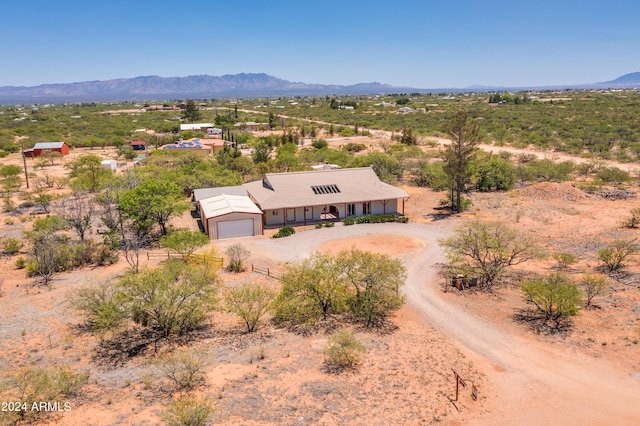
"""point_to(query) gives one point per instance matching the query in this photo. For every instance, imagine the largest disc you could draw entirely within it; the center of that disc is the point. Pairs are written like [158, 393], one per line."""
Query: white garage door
[235, 228]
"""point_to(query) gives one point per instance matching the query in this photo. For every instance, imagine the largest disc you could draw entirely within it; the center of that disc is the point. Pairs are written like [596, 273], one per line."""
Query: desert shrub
[492, 172]
[285, 231]
[593, 286]
[612, 175]
[8, 205]
[554, 296]
[364, 285]
[237, 254]
[182, 369]
[173, 299]
[21, 263]
[250, 302]
[343, 352]
[615, 256]
[633, 220]
[448, 202]
[319, 143]
[381, 218]
[354, 147]
[565, 259]
[101, 306]
[324, 224]
[34, 384]
[188, 411]
[431, 175]
[11, 245]
[349, 221]
[184, 242]
[547, 170]
[486, 249]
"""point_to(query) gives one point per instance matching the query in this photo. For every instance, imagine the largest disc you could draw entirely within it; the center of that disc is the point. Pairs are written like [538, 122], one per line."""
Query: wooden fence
[265, 271]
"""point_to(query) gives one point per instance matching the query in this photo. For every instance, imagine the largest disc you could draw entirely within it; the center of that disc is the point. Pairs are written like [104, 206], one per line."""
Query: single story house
[196, 126]
[41, 147]
[191, 145]
[138, 145]
[302, 197]
[230, 216]
[252, 126]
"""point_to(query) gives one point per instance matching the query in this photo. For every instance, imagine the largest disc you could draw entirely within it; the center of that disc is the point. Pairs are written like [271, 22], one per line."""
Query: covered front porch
[309, 215]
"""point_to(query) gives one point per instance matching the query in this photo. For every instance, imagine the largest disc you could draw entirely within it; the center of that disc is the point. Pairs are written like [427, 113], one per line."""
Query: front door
[291, 215]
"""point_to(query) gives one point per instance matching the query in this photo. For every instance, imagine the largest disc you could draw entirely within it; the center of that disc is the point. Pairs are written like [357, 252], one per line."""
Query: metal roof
[299, 189]
[202, 193]
[195, 126]
[48, 145]
[225, 204]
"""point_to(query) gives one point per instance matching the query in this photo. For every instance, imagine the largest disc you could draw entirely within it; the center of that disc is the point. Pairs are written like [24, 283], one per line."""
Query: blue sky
[423, 44]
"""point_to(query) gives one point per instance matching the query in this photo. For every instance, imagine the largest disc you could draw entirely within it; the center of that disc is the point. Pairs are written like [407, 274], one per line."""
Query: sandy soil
[588, 375]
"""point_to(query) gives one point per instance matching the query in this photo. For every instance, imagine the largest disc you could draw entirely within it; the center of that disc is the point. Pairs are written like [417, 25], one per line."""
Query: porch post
[304, 211]
[403, 206]
[284, 217]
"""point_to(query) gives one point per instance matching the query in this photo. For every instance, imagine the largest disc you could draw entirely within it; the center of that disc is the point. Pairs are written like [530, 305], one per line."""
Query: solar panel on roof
[325, 189]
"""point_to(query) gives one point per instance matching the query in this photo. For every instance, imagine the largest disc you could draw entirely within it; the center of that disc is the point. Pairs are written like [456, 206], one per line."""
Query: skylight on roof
[325, 189]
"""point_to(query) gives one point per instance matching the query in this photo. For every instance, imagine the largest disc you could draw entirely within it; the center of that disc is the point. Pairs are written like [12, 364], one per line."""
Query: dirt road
[536, 382]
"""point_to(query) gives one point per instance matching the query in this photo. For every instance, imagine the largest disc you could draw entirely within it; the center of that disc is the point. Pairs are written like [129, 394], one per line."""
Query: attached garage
[230, 216]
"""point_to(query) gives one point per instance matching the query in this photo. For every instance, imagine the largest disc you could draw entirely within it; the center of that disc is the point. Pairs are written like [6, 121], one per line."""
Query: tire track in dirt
[535, 382]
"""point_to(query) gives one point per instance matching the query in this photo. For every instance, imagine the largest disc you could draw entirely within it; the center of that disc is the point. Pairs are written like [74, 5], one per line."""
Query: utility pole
[24, 161]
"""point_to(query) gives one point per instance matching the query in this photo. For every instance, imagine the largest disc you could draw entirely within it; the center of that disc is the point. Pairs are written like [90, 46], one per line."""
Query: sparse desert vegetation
[109, 287]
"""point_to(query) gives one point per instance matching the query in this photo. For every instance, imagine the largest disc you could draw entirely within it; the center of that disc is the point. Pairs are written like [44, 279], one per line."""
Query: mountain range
[238, 85]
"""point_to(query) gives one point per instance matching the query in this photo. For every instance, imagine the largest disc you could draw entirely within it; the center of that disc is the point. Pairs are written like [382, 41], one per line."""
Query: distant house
[138, 145]
[42, 147]
[192, 145]
[301, 197]
[196, 126]
[252, 126]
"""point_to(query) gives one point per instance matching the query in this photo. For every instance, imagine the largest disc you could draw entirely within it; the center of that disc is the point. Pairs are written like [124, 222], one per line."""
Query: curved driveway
[536, 382]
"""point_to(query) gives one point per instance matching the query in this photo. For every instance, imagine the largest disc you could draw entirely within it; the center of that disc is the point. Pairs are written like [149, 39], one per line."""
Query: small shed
[109, 164]
[230, 216]
[138, 145]
[41, 147]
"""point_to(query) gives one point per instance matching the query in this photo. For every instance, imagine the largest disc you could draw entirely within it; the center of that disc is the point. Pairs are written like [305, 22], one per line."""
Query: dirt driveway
[535, 382]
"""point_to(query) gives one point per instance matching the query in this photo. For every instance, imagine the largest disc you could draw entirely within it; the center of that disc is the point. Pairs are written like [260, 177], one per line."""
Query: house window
[351, 209]
[274, 212]
[366, 208]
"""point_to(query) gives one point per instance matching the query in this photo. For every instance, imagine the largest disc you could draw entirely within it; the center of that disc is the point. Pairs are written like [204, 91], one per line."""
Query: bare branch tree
[78, 211]
[132, 246]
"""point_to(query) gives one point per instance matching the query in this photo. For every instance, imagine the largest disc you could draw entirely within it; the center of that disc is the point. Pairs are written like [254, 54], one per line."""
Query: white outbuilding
[230, 216]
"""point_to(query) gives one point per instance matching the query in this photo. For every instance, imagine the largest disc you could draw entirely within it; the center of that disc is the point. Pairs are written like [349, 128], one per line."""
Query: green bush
[188, 411]
[612, 175]
[343, 351]
[349, 221]
[325, 224]
[554, 296]
[32, 385]
[182, 369]
[615, 256]
[285, 231]
[21, 263]
[632, 221]
[319, 143]
[11, 245]
[381, 218]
